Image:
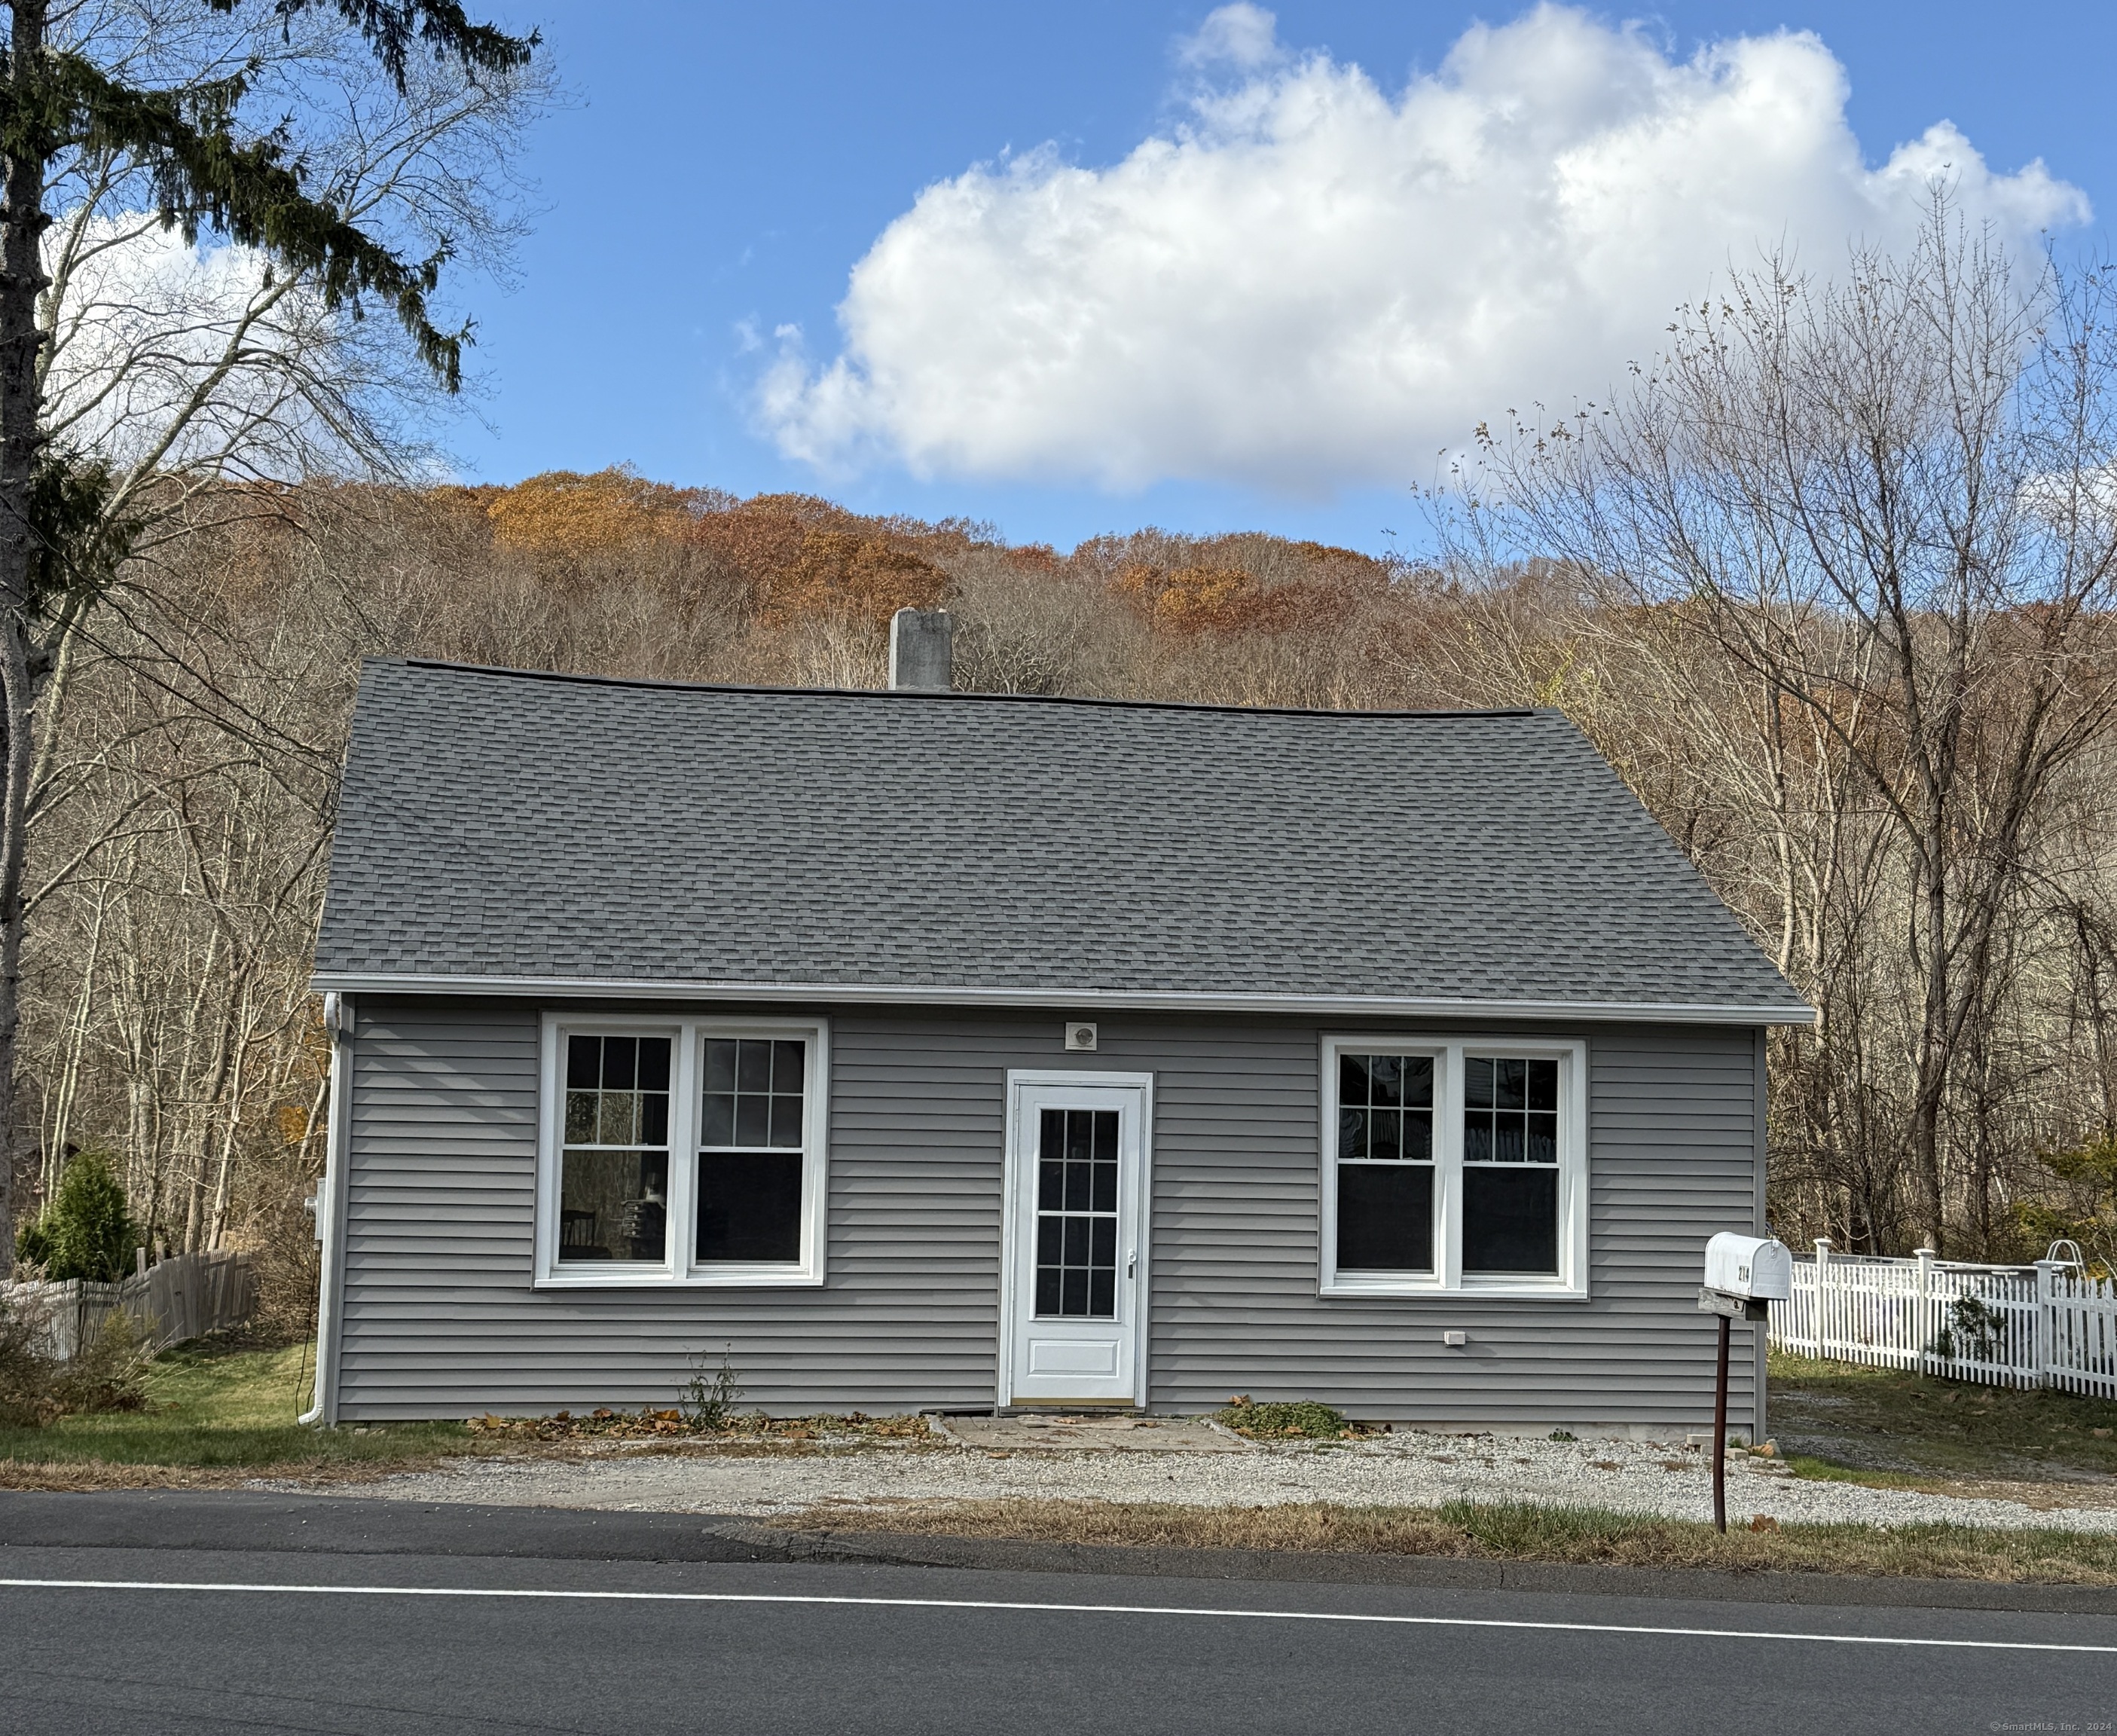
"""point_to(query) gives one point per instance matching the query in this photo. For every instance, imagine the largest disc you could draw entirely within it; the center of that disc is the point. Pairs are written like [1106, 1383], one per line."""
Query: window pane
[1544, 1085]
[1079, 1137]
[1048, 1279]
[621, 1062]
[1418, 1080]
[787, 1121]
[1477, 1137]
[1419, 1135]
[615, 1126]
[584, 1063]
[1478, 1082]
[1051, 1241]
[1076, 1240]
[786, 1066]
[1106, 1136]
[653, 1063]
[720, 1064]
[1353, 1078]
[753, 1065]
[1103, 1242]
[1073, 1291]
[1510, 1219]
[753, 1120]
[749, 1207]
[1106, 1189]
[718, 1127]
[654, 1118]
[1385, 1217]
[1352, 1132]
[580, 1116]
[1543, 1138]
[1507, 1084]
[613, 1206]
[1385, 1132]
[1102, 1295]
[1507, 1138]
[1386, 1075]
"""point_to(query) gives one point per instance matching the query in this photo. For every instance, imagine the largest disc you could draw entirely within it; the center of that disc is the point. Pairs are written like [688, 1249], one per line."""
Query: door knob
[1132, 1262]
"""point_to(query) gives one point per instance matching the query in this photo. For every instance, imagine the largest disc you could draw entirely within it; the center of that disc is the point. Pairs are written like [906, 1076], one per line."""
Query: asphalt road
[181, 1639]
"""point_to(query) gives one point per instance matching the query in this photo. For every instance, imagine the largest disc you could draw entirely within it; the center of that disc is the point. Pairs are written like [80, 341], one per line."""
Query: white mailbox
[1760, 1269]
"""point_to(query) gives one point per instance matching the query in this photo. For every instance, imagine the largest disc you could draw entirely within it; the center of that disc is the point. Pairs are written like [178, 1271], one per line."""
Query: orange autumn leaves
[1189, 600]
[786, 558]
[795, 556]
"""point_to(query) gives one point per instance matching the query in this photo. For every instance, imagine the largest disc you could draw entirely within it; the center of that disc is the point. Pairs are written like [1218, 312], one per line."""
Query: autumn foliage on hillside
[209, 749]
[611, 573]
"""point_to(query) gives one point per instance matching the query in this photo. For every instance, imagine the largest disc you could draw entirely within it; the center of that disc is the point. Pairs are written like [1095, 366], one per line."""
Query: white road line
[968, 1603]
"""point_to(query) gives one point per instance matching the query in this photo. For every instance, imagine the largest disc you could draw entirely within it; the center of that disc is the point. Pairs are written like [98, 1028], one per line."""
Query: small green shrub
[708, 1402]
[108, 1373]
[33, 1243]
[86, 1230]
[25, 1369]
[1302, 1419]
[1974, 1334]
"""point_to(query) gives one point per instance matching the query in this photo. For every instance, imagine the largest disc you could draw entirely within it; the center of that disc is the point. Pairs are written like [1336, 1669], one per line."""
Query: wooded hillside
[185, 803]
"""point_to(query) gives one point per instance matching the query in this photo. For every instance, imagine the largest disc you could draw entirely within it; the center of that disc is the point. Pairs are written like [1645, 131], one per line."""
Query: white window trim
[681, 1270]
[1448, 1278]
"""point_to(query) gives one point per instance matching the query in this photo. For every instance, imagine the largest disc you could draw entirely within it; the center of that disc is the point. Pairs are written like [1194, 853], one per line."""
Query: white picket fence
[2043, 1325]
[174, 1300]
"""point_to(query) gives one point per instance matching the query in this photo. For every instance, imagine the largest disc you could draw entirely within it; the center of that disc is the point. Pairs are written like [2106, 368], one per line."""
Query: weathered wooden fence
[175, 1299]
[2044, 1325]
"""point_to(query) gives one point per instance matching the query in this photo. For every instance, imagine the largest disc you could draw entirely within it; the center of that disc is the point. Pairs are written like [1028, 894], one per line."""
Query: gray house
[915, 1049]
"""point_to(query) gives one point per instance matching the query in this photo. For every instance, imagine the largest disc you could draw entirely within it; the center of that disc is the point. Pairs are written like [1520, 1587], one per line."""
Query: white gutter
[1334, 1006]
[331, 1208]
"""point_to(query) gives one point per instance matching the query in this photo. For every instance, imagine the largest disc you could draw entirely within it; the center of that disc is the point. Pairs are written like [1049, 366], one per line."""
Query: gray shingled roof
[504, 825]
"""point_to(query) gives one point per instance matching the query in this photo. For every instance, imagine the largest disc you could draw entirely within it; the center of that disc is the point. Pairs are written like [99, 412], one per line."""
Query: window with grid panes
[1453, 1163]
[614, 1168]
[1510, 1164]
[750, 1158]
[1077, 1214]
[1384, 1161]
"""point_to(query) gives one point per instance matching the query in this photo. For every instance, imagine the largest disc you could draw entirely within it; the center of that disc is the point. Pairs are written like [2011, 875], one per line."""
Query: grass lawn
[215, 1407]
[1508, 1531]
[1885, 1426]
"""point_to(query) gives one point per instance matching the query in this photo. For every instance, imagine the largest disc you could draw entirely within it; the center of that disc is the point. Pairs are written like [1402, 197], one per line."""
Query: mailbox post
[1742, 1273]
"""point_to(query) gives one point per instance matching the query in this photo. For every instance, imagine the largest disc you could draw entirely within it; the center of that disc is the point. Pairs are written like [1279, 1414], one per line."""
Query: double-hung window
[1454, 1164]
[682, 1151]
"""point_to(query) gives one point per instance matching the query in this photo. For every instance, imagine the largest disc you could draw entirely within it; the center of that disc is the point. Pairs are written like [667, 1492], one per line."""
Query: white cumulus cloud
[1313, 282]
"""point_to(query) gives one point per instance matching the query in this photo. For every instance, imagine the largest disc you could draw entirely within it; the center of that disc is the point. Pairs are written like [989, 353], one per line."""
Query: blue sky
[723, 168]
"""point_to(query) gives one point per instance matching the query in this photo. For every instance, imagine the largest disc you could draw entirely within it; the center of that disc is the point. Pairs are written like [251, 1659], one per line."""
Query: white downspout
[330, 1209]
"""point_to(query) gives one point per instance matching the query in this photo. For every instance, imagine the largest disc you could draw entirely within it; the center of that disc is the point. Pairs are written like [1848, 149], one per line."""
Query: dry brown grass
[1506, 1531]
[85, 1475]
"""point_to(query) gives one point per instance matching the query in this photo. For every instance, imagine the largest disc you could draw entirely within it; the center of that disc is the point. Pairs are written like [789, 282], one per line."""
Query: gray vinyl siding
[439, 1317]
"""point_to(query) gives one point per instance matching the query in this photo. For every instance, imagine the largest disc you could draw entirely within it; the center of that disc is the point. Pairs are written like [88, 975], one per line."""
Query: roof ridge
[665, 684]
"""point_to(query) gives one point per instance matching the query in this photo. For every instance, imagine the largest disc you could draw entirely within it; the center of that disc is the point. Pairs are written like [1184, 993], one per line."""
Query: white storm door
[1073, 1302]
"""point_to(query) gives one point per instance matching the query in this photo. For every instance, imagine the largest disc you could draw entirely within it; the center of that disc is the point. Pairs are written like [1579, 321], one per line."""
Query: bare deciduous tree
[1864, 533]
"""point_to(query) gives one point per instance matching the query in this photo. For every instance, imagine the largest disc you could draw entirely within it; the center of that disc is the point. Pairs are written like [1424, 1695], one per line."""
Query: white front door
[1073, 1294]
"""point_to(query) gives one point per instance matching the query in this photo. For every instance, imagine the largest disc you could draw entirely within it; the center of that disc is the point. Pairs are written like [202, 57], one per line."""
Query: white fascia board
[840, 994]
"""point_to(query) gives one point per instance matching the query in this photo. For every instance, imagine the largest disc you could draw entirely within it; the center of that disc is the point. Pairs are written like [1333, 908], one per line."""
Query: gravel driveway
[1407, 1469]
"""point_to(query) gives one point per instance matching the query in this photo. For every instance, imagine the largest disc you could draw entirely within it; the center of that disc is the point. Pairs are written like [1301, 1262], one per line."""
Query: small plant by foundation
[750, 1429]
[707, 1403]
[1301, 1419]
